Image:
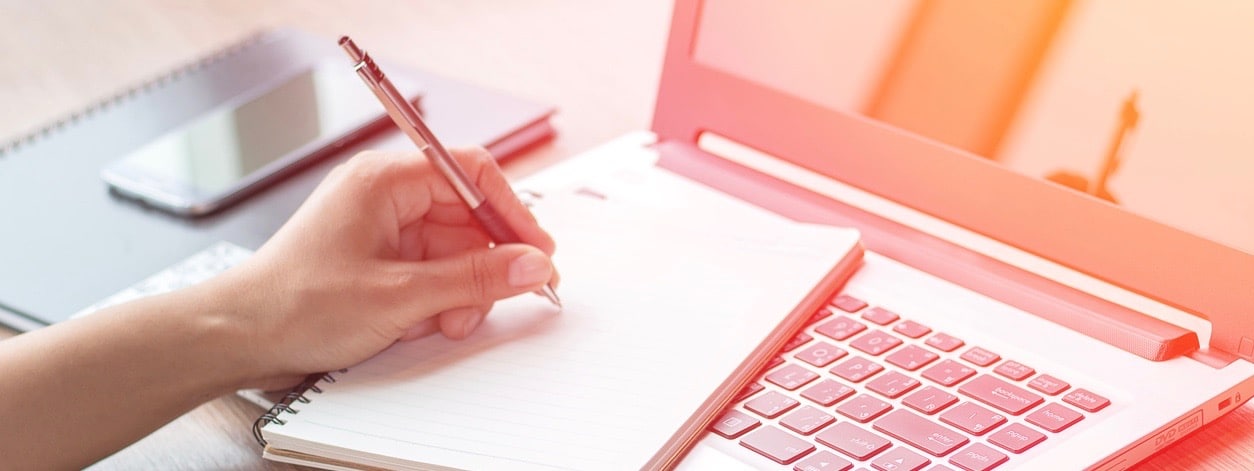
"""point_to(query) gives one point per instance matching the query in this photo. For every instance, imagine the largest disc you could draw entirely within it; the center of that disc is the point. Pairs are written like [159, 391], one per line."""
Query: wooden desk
[597, 61]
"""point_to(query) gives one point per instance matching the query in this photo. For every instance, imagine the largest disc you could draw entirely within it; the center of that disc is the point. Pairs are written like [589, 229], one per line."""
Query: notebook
[59, 166]
[660, 309]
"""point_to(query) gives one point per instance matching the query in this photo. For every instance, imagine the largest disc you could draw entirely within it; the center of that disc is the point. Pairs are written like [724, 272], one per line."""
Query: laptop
[1054, 206]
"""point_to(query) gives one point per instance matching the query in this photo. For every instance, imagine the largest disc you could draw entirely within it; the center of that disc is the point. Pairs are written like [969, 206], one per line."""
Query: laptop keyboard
[863, 387]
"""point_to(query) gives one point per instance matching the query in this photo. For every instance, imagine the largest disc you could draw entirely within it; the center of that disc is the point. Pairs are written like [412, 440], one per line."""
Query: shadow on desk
[213, 436]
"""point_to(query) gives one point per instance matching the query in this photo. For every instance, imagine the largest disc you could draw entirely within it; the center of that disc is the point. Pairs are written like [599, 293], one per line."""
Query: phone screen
[218, 150]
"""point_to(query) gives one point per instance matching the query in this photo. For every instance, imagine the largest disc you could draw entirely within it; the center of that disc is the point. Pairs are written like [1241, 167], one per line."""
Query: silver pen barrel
[417, 130]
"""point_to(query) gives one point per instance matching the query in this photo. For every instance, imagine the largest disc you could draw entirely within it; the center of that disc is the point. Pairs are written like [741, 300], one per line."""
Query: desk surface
[597, 61]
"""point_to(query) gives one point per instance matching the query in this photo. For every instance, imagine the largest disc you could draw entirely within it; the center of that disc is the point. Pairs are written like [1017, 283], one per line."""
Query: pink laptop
[1055, 202]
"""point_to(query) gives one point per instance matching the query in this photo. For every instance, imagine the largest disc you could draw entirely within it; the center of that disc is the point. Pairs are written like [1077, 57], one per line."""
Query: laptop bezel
[1164, 263]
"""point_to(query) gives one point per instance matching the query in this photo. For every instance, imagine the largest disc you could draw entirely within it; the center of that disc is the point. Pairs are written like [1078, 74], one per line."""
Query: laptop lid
[1107, 137]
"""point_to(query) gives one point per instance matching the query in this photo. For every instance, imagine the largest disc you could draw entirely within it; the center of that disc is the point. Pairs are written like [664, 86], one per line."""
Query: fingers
[477, 277]
[458, 323]
[419, 192]
[422, 329]
[444, 264]
[438, 240]
[487, 176]
[501, 195]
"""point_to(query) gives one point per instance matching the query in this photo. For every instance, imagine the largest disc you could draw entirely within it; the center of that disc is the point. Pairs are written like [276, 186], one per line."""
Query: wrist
[223, 328]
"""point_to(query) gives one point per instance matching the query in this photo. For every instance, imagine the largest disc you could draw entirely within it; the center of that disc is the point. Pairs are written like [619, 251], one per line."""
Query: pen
[406, 118]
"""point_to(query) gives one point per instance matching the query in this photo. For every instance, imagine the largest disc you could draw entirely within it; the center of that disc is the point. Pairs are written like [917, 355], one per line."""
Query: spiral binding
[47, 130]
[284, 406]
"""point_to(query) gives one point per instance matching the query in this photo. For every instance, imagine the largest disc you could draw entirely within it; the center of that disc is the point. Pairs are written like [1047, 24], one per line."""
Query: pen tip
[551, 294]
[344, 40]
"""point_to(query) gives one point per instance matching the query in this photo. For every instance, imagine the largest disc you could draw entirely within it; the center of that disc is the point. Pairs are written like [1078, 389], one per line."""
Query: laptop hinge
[1213, 357]
[1116, 325]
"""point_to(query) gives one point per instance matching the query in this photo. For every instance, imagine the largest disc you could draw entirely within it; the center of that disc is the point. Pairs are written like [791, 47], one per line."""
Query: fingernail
[470, 323]
[530, 269]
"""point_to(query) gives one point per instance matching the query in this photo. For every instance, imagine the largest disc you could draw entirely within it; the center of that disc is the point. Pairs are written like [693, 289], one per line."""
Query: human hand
[382, 251]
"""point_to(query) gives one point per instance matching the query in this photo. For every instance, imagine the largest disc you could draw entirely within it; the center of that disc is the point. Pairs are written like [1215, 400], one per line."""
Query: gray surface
[66, 242]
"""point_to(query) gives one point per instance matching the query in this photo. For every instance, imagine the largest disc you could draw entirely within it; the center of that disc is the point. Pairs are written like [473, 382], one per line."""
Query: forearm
[76, 392]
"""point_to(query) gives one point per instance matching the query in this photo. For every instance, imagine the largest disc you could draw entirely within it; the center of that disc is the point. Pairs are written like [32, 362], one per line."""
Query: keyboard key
[853, 441]
[856, 369]
[948, 373]
[919, 432]
[1001, 395]
[734, 424]
[900, 459]
[823, 461]
[1048, 385]
[791, 376]
[892, 384]
[800, 339]
[875, 342]
[980, 356]
[771, 404]
[1016, 438]
[1054, 417]
[940, 467]
[840, 328]
[880, 316]
[944, 342]
[749, 390]
[776, 444]
[775, 361]
[973, 419]
[911, 329]
[820, 354]
[1086, 400]
[827, 392]
[912, 357]
[863, 408]
[820, 315]
[929, 400]
[806, 420]
[978, 457]
[1014, 370]
[848, 303]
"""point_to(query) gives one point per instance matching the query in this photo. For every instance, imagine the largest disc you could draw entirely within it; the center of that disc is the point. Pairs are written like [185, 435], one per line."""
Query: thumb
[483, 276]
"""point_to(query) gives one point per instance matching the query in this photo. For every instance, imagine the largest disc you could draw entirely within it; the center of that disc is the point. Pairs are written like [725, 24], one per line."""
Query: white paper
[659, 310]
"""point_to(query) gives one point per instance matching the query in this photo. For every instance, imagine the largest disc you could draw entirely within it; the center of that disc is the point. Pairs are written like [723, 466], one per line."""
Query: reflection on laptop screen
[1146, 105]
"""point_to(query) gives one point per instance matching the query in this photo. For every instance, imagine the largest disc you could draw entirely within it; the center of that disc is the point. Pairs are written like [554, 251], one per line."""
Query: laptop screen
[1144, 105]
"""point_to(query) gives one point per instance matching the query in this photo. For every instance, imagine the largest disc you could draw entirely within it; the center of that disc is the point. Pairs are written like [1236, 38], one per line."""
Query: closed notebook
[658, 311]
[59, 167]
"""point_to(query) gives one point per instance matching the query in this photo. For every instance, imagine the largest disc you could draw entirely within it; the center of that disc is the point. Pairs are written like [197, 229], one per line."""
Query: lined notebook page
[655, 317]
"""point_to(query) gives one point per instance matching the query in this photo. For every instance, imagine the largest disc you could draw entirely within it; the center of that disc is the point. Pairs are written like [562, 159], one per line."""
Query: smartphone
[237, 149]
